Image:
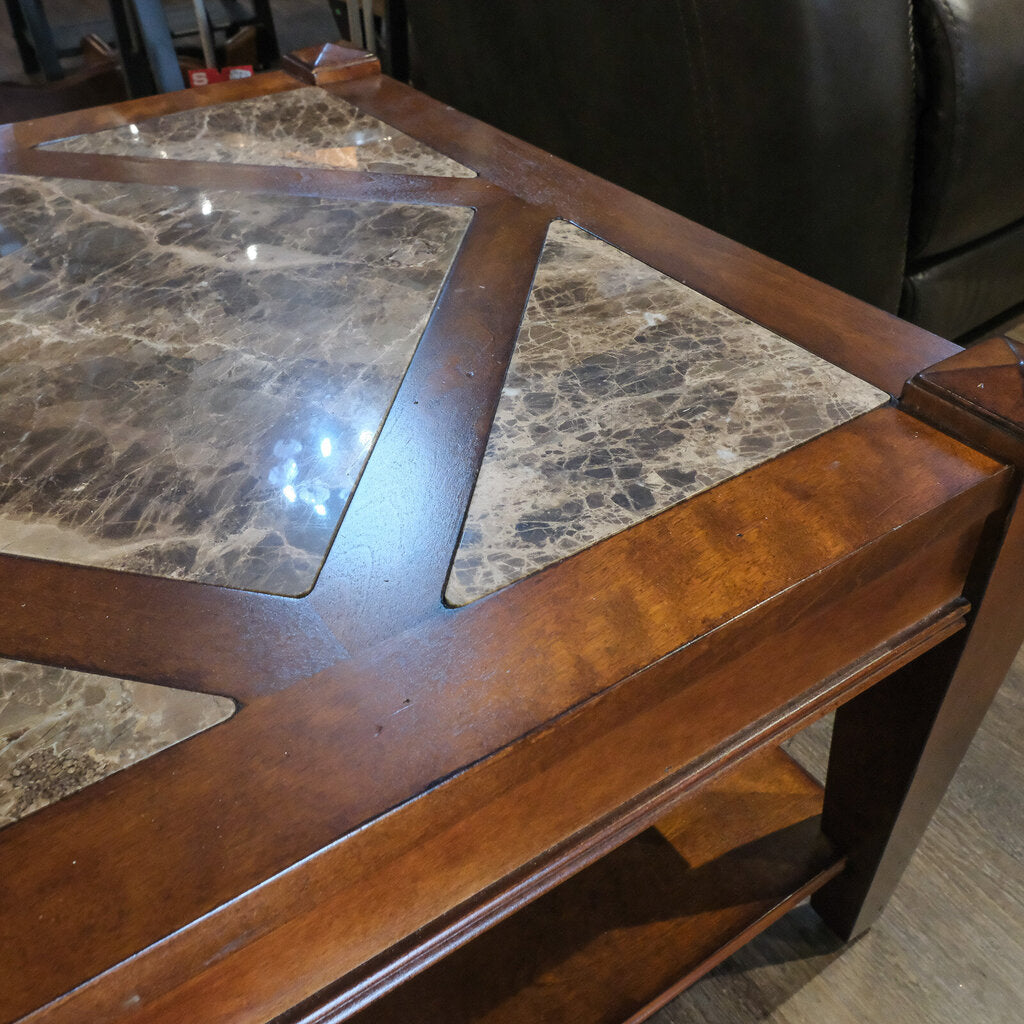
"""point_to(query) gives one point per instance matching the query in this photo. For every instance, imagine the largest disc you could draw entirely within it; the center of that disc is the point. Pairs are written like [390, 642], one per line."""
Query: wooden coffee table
[486, 528]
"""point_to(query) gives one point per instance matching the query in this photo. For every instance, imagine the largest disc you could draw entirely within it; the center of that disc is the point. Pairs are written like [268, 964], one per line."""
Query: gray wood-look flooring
[949, 948]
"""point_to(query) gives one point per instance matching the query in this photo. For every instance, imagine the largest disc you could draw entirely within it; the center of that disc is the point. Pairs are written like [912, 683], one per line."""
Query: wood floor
[949, 948]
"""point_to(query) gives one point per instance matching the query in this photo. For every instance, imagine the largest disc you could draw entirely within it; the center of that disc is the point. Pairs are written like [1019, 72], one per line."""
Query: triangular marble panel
[304, 127]
[62, 730]
[191, 382]
[628, 392]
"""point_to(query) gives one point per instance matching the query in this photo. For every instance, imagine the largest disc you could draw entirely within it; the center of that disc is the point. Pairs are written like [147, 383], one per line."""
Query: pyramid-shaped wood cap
[330, 62]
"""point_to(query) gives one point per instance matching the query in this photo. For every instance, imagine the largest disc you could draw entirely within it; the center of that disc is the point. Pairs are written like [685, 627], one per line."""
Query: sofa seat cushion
[970, 161]
[977, 284]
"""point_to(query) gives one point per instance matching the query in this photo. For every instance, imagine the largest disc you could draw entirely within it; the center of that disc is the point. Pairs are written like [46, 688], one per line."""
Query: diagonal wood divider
[402, 776]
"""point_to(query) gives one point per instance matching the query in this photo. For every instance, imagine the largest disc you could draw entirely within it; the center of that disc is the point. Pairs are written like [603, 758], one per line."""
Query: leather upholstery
[781, 123]
[971, 143]
[864, 143]
[954, 295]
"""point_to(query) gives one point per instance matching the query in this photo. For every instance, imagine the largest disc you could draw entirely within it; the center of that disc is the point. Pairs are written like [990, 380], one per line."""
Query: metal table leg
[147, 50]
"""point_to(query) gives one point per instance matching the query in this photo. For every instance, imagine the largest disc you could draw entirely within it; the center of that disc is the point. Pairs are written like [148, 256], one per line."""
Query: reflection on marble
[190, 382]
[627, 393]
[302, 128]
[61, 730]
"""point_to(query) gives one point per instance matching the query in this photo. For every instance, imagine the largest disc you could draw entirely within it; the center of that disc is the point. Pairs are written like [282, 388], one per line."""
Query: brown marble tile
[191, 382]
[627, 393]
[299, 128]
[62, 730]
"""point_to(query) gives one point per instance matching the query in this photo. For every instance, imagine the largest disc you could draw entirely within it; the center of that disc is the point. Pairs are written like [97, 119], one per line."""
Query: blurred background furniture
[875, 146]
[99, 79]
[378, 26]
[152, 38]
[149, 36]
[34, 37]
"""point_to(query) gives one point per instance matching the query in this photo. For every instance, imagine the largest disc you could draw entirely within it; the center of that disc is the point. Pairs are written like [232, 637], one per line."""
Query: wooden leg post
[896, 747]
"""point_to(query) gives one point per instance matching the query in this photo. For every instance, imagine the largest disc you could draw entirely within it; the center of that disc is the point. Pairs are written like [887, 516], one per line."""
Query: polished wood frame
[400, 775]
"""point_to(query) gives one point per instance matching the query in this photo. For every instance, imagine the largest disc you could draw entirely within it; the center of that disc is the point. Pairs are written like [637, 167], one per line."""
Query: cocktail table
[416, 550]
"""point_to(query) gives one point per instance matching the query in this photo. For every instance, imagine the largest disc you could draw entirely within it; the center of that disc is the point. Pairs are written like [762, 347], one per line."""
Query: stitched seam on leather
[909, 300]
[912, 142]
[956, 157]
[711, 175]
[715, 162]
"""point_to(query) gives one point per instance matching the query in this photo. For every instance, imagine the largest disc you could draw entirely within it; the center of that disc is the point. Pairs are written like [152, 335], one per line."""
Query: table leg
[368, 32]
[340, 11]
[896, 747]
[267, 48]
[205, 33]
[156, 39]
[355, 23]
[397, 41]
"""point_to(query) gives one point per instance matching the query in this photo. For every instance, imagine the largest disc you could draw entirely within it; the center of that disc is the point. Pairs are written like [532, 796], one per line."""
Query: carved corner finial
[988, 377]
[330, 62]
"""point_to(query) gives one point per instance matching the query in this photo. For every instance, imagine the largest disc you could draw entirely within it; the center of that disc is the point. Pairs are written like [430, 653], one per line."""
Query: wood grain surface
[949, 947]
[665, 903]
[401, 775]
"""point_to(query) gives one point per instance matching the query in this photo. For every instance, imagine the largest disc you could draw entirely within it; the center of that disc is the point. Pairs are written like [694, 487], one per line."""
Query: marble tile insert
[62, 730]
[627, 393]
[190, 382]
[304, 127]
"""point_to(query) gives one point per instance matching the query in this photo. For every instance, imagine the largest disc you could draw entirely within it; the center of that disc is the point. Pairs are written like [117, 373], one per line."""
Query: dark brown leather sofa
[877, 145]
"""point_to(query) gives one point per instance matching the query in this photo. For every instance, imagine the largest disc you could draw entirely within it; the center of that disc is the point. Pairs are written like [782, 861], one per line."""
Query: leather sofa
[876, 145]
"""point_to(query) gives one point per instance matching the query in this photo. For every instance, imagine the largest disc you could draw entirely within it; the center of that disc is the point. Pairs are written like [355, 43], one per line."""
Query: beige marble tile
[191, 382]
[627, 393]
[62, 730]
[304, 127]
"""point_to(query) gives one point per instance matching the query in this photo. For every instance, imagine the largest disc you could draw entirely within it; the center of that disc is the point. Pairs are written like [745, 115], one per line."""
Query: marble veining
[304, 127]
[61, 730]
[191, 382]
[627, 393]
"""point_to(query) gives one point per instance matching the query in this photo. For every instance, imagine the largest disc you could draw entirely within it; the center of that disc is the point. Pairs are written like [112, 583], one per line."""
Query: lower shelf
[619, 939]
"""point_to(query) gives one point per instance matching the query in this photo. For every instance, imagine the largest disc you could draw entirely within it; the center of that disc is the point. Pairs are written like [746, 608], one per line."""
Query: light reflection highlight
[314, 471]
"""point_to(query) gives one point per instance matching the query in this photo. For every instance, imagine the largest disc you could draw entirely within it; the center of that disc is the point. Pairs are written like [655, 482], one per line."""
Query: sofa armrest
[970, 164]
